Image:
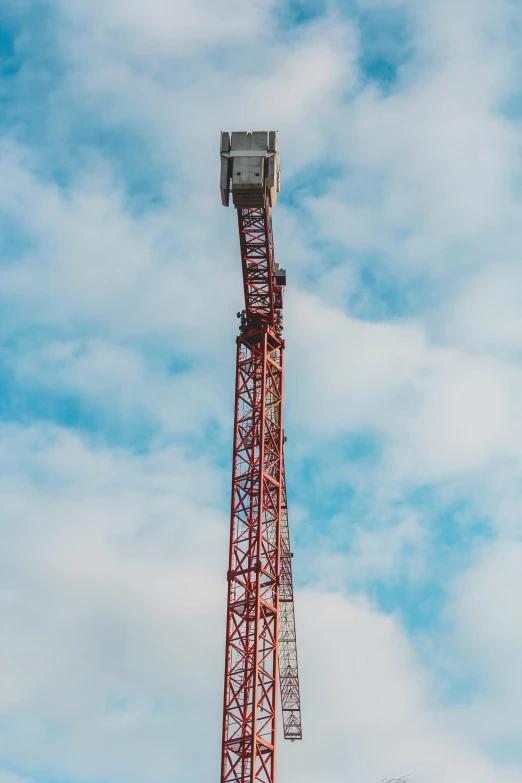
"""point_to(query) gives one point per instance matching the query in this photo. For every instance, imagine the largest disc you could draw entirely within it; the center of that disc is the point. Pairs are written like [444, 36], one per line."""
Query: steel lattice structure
[260, 635]
[288, 670]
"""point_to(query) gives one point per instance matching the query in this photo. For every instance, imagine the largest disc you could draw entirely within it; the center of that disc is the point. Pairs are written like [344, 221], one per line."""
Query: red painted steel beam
[263, 298]
[259, 558]
[249, 716]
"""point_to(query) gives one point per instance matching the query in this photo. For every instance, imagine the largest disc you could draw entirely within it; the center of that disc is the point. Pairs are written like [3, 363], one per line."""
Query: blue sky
[399, 225]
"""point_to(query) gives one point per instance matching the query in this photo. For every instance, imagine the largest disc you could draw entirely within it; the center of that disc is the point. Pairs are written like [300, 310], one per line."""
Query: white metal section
[288, 671]
[249, 168]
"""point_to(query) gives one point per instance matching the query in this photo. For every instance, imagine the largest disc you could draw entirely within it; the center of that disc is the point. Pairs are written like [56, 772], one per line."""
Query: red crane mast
[260, 634]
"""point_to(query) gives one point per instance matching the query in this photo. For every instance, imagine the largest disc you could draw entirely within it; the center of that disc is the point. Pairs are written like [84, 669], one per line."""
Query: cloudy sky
[400, 225]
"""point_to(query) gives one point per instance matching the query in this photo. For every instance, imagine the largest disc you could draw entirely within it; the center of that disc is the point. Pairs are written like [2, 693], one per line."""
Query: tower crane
[260, 633]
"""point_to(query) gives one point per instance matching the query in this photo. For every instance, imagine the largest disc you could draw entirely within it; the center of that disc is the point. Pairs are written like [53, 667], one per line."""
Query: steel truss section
[251, 666]
[262, 297]
[288, 671]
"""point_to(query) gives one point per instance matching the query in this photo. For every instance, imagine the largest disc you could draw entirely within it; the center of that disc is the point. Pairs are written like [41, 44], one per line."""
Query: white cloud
[370, 711]
[112, 591]
[7, 777]
[169, 29]
[112, 599]
[111, 603]
[125, 387]
[441, 411]
[93, 264]
[431, 168]
[487, 643]
[486, 315]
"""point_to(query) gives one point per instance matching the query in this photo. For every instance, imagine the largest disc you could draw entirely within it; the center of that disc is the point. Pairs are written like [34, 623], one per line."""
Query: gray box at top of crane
[249, 168]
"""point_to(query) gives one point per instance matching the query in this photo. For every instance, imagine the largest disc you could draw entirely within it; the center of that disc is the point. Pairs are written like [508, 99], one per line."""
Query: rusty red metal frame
[262, 296]
[259, 561]
[253, 576]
